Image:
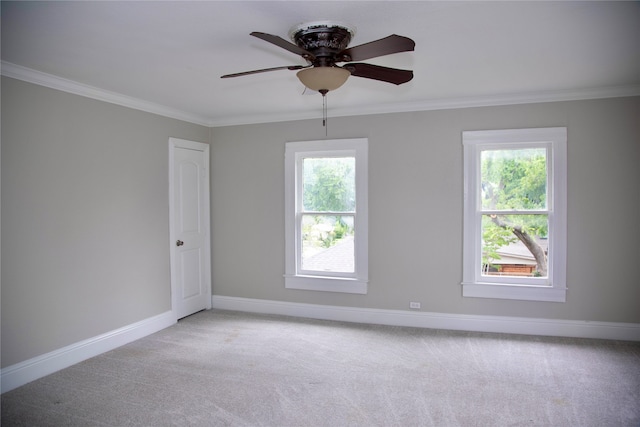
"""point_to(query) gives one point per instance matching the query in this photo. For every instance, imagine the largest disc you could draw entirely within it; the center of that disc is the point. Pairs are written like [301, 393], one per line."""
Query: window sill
[514, 292]
[326, 284]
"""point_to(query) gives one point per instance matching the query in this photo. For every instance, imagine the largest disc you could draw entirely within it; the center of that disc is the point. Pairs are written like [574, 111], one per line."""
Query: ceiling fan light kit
[323, 79]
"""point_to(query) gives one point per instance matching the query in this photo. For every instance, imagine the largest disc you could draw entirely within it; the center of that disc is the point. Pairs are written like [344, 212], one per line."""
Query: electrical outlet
[414, 305]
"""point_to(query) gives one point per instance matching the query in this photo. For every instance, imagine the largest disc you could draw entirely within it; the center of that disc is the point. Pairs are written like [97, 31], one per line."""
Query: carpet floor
[222, 368]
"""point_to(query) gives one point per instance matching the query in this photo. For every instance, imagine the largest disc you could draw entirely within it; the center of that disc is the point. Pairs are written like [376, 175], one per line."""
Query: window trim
[356, 283]
[553, 287]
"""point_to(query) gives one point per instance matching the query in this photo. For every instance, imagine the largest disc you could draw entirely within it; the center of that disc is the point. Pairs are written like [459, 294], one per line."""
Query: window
[326, 219]
[515, 220]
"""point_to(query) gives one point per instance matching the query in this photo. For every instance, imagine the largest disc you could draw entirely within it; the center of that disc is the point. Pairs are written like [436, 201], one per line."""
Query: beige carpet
[221, 368]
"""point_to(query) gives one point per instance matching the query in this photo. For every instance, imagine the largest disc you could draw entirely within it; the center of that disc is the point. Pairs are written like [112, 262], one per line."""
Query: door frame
[177, 143]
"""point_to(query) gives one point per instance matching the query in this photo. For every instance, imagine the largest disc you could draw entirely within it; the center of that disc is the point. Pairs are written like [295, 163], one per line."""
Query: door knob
[179, 243]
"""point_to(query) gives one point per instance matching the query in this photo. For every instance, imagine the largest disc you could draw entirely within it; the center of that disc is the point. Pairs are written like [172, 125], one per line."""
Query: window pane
[327, 243]
[329, 184]
[515, 245]
[514, 179]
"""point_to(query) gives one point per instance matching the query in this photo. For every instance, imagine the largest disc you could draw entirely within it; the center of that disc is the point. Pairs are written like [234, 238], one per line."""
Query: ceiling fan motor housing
[324, 40]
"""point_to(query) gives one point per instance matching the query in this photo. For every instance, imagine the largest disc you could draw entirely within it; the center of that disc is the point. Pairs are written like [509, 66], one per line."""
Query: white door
[189, 226]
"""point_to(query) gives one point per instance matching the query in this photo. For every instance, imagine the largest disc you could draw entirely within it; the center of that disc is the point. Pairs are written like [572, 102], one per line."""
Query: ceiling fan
[324, 44]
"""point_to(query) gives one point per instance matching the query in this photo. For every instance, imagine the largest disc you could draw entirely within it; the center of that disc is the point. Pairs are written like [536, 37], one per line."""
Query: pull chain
[324, 115]
[325, 123]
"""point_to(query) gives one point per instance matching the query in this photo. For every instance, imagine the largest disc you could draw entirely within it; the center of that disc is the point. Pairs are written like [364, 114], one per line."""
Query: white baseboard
[420, 319]
[21, 373]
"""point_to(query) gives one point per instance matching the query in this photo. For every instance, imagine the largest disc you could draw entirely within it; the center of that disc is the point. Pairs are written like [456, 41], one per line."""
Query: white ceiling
[169, 56]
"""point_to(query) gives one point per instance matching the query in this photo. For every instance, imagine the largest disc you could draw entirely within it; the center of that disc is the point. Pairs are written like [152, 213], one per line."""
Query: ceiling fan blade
[377, 72]
[264, 70]
[280, 42]
[386, 46]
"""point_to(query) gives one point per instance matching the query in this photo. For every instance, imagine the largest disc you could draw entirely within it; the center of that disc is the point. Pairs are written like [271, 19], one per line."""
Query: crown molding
[443, 104]
[496, 100]
[29, 75]
[48, 80]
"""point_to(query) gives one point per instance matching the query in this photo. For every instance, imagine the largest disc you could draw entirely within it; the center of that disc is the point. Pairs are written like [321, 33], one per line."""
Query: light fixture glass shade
[323, 78]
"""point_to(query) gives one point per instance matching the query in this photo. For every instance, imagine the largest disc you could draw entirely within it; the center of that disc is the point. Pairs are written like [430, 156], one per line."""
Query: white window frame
[295, 153]
[550, 288]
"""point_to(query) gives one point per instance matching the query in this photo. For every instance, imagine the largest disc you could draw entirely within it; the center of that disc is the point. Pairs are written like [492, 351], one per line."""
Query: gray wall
[415, 225]
[85, 217]
[85, 212]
